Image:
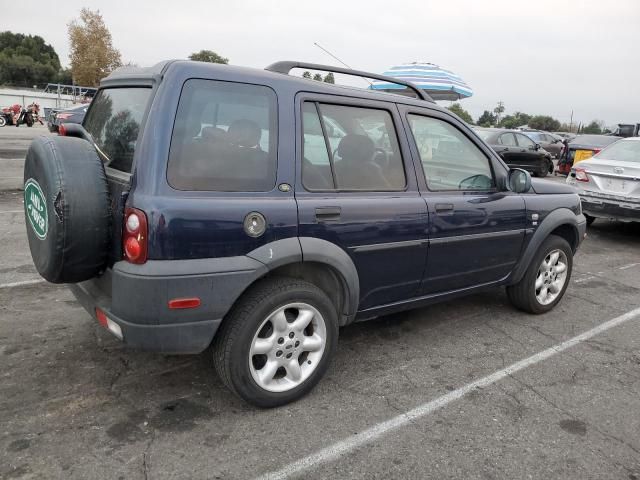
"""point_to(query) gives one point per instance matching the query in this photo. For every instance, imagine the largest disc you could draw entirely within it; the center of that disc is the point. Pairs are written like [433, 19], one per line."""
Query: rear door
[475, 231]
[356, 188]
[114, 121]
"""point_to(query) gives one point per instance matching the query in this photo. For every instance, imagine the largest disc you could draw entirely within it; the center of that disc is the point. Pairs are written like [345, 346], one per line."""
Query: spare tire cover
[67, 209]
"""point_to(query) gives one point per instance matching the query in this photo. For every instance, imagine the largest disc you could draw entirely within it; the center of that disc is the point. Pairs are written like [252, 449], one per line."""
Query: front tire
[547, 278]
[277, 342]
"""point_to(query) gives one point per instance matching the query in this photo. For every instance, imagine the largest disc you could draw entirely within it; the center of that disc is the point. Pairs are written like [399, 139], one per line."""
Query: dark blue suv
[256, 212]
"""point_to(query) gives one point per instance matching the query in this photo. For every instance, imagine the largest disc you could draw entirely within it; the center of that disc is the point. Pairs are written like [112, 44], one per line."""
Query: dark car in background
[73, 114]
[550, 142]
[518, 150]
[585, 146]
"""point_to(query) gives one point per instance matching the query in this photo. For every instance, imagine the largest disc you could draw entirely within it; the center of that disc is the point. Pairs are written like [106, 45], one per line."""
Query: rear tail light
[596, 150]
[63, 116]
[581, 175]
[134, 236]
[62, 130]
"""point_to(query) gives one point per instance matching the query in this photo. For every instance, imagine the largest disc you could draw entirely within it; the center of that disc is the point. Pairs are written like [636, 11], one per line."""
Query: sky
[548, 57]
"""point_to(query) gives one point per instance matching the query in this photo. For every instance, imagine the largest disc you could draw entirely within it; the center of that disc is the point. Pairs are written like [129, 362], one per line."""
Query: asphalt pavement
[430, 393]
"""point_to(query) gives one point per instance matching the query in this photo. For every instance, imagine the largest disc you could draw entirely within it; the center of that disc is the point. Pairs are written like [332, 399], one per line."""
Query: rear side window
[507, 139]
[224, 138]
[114, 123]
[350, 149]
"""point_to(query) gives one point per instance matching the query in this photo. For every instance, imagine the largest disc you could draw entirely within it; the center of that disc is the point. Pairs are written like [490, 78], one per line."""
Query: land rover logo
[618, 170]
[36, 208]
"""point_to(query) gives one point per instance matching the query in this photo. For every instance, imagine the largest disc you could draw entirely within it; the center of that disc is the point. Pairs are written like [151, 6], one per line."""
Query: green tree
[516, 120]
[544, 122]
[461, 112]
[593, 128]
[306, 74]
[317, 77]
[64, 77]
[328, 78]
[92, 55]
[487, 119]
[208, 56]
[26, 60]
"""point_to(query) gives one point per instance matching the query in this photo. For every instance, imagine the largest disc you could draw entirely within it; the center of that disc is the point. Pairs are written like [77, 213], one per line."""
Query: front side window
[525, 141]
[449, 159]
[350, 149]
[224, 138]
[113, 121]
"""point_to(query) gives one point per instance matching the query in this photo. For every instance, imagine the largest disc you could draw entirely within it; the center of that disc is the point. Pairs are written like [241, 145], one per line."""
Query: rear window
[224, 138]
[114, 123]
[484, 134]
[594, 140]
[622, 151]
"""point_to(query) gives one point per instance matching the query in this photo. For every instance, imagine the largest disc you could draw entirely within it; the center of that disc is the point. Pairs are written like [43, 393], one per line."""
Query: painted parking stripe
[631, 265]
[335, 451]
[22, 283]
[12, 211]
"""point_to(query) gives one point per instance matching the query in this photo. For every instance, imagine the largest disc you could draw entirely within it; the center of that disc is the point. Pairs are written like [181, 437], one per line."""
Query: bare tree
[93, 55]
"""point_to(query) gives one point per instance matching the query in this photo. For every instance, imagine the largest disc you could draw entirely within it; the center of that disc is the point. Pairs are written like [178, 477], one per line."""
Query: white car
[609, 182]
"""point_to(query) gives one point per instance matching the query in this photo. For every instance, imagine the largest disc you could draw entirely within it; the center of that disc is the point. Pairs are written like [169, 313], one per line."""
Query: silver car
[609, 182]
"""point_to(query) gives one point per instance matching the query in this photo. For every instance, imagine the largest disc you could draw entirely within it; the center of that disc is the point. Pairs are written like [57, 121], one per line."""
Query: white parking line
[12, 211]
[584, 279]
[631, 265]
[22, 283]
[335, 451]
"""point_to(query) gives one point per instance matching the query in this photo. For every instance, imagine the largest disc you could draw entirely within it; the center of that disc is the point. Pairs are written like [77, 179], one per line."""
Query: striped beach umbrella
[441, 84]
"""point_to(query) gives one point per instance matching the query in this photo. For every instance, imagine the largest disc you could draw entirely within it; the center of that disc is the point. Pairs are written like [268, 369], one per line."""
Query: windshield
[533, 135]
[114, 123]
[484, 134]
[622, 151]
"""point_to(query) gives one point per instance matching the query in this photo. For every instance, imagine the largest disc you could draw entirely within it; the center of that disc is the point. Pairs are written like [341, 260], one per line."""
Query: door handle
[328, 214]
[444, 207]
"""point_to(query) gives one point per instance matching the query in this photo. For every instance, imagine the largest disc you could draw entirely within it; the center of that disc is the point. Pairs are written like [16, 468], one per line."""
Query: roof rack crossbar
[286, 66]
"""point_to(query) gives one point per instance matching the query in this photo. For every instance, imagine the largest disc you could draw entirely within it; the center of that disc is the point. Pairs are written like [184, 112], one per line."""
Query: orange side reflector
[178, 303]
[102, 318]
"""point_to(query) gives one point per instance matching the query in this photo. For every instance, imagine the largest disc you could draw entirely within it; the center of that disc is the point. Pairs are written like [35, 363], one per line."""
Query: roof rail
[286, 66]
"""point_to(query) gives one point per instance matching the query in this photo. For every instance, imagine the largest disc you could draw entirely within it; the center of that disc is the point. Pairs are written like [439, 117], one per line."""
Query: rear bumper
[136, 298]
[610, 208]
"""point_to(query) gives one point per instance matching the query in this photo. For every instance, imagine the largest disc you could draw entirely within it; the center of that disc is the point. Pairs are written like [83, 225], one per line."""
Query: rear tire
[259, 352]
[3, 121]
[547, 278]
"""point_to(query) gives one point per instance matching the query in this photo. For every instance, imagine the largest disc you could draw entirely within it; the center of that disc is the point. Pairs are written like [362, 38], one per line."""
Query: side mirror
[536, 147]
[519, 181]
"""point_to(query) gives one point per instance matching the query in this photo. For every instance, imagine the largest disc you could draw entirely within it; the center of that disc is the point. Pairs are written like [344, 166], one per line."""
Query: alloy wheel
[287, 347]
[551, 277]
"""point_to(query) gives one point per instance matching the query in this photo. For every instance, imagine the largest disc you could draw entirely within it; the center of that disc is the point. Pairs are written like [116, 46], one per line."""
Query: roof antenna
[333, 56]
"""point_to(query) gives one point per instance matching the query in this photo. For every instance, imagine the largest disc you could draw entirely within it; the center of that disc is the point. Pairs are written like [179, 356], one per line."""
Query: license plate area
[582, 155]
